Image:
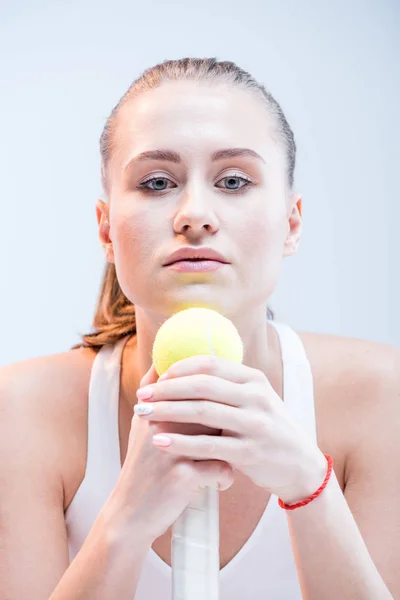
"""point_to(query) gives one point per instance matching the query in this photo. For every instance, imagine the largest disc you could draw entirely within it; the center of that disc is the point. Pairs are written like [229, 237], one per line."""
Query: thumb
[150, 377]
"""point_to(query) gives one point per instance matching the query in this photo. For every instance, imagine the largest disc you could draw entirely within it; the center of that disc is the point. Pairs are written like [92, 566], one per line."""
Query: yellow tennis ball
[195, 331]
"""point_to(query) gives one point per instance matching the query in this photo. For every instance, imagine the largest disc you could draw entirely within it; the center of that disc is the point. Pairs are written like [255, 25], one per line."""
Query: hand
[154, 488]
[259, 435]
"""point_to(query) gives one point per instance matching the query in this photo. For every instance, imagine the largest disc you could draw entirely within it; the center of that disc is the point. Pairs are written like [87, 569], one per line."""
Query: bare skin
[244, 502]
[356, 393]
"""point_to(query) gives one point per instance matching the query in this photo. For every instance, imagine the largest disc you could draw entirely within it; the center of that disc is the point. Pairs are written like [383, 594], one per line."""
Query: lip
[195, 266]
[188, 252]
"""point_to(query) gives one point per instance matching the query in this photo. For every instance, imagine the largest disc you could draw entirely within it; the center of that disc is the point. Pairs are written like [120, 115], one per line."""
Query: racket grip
[195, 549]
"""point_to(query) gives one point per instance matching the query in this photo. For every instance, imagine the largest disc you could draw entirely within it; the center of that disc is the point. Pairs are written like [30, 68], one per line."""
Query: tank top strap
[103, 404]
[298, 386]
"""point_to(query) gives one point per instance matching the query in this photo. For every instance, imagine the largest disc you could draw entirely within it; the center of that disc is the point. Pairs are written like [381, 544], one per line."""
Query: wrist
[121, 526]
[312, 473]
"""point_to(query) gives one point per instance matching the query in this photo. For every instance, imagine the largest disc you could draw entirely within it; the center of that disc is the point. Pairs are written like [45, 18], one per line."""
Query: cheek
[136, 246]
[263, 236]
[135, 239]
[261, 248]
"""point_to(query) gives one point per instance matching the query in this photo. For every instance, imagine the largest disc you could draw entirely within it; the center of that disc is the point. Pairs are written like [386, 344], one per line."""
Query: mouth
[194, 260]
[192, 265]
[191, 254]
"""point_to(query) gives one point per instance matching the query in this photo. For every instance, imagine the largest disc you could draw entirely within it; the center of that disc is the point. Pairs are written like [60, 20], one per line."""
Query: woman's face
[237, 205]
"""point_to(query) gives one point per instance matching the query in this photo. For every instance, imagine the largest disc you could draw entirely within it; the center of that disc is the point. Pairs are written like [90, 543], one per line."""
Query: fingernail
[142, 409]
[145, 393]
[161, 440]
[163, 377]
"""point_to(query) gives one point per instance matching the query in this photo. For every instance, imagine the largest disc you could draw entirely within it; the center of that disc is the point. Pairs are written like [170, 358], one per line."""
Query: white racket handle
[195, 549]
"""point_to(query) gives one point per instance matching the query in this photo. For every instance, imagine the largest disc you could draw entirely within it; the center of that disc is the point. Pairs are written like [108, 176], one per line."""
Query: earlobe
[109, 254]
[290, 248]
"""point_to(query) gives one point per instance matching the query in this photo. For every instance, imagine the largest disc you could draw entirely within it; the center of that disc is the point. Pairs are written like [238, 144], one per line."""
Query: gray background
[332, 67]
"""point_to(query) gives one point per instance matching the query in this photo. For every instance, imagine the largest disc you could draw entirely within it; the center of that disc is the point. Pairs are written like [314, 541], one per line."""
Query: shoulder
[43, 401]
[357, 393]
[351, 363]
[46, 382]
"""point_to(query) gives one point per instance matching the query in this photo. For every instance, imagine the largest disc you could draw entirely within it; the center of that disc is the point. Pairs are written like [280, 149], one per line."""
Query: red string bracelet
[315, 494]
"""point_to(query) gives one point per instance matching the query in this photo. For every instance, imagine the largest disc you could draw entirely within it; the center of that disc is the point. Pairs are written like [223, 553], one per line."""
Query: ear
[294, 226]
[102, 214]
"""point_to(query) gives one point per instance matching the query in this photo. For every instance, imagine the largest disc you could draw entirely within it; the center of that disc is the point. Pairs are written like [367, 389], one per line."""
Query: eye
[158, 184]
[158, 180]
[231, 178]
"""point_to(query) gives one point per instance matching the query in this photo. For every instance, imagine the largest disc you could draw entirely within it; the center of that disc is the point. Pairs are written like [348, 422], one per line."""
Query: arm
[348, 547]
[34, 561]
[107, 566]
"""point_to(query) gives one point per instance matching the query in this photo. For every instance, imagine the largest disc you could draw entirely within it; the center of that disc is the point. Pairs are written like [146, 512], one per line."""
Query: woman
[88, 499]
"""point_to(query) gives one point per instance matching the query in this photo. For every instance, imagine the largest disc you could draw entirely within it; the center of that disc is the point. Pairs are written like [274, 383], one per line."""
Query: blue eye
[238, 177]
[142, 186]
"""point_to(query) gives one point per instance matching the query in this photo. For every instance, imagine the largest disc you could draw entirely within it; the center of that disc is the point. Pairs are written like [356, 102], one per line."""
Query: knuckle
[226, 477]
[260, 427]
[226, 470]
[209, 444]
[259, 395]
[260, 376]
[247, 453]
[209, 364]
[200, 408]
[181, 472]
[201, 385]
[154, 427]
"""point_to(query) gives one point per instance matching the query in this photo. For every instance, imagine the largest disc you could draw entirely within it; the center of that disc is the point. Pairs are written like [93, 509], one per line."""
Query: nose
[196, 213]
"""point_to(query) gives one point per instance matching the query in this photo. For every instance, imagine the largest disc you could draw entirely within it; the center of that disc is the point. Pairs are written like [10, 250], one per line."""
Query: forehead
[193, 118]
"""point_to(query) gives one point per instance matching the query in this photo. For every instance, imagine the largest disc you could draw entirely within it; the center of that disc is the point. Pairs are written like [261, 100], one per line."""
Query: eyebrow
[171, 156]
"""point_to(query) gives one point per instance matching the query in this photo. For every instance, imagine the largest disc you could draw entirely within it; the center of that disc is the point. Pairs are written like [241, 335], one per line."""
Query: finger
[202, 412]
[234, 450]
[213, 365]
[197, 386]
[150, 377]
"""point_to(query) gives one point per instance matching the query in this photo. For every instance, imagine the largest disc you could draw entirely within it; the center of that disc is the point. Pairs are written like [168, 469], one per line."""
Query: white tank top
[264, 567]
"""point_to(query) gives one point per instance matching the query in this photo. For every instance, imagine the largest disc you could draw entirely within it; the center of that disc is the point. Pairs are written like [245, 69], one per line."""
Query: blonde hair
[115, 314]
